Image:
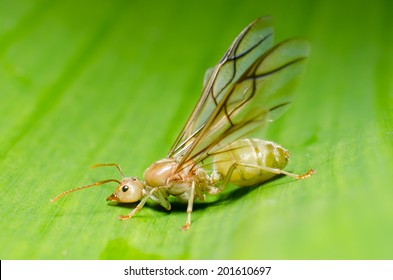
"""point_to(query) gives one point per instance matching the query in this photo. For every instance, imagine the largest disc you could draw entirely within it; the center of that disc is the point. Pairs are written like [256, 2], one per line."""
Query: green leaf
[86, 83]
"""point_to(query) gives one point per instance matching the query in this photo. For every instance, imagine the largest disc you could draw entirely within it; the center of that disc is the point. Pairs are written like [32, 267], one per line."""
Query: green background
[84, 82]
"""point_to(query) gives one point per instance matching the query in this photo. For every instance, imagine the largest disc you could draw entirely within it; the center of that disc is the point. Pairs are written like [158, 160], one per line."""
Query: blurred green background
[84, 82]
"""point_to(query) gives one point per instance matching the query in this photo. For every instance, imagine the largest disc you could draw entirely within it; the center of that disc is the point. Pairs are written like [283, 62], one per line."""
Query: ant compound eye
[125, 188]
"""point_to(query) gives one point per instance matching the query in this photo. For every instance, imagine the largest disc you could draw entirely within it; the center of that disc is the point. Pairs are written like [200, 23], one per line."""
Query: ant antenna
[109, 164]
[84, 187]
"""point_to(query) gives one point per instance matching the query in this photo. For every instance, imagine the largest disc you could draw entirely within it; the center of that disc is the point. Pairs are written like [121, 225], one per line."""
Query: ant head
[130, 189]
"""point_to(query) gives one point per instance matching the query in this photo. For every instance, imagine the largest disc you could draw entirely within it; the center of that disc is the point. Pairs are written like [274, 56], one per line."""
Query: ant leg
[138, 207]
[278, 171]
[227, 178]
[224, 181]
[189, 207]
[163, 201]
[109, 164]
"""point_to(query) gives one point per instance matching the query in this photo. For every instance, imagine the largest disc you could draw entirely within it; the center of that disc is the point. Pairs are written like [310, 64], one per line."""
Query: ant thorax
[164, 173]
[160, 172]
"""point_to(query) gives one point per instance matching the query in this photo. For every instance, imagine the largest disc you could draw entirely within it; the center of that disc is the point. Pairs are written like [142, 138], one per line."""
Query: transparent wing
[243, 102]
[251, 43]
[263, 94]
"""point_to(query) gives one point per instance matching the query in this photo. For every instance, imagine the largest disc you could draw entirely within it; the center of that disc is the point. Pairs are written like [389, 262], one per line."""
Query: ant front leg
[139, 206]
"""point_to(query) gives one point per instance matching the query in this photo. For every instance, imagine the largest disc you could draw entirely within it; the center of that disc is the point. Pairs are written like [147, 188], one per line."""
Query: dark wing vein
[252, 42]
[244, 92]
